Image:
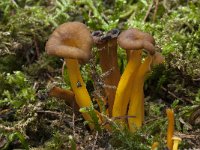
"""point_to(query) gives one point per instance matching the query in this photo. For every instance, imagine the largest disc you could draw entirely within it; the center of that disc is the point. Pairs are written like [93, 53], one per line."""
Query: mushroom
[107, 45]
[155, 146]
[136, 105]
[73, 42]
[176, 142]
[66, 95]
[135, 41]
[170, 128]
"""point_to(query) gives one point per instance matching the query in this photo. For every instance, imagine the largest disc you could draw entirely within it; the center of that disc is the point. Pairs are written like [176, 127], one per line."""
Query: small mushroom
[155, 146]
[66, 95]
[176, 142]
[73, 42]
[133, 40]
[170, 128]
[107, 45]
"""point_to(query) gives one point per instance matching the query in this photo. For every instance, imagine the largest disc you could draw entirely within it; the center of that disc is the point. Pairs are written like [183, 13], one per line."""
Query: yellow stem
[125, 85]
[175, 145]
[136, 106]
[78, 86]
[154, 146]
[176, 141]
[170, 129]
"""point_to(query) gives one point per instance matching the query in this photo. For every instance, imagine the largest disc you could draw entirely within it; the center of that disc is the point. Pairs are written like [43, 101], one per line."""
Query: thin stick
[173, 95]
[196, 79]
[148, 11]
[95, 141]
[156, 10]
[73, 120]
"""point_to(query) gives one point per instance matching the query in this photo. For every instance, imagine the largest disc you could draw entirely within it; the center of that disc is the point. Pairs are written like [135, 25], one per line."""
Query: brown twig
[50, 77]
[152, 119]
[156, 10]
[148, 12]
[9, 129]
[95, 140]
[73, 118]
[53, 113]
[188, 136]
[63, 69]
[109, 120]
[36, 48]
[121, 117]
[198, 79]
[174, 96]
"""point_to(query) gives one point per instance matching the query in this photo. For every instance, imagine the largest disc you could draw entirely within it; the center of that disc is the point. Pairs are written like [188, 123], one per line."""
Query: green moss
[25, 26]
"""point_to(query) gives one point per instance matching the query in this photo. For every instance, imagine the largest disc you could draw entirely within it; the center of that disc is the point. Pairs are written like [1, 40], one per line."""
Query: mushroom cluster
[124, 92]
[129, 100]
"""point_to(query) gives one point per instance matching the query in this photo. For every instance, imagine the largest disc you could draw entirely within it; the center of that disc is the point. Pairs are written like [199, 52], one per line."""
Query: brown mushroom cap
[96, 35]
[134, 39]
[100, 38]
[70, 40]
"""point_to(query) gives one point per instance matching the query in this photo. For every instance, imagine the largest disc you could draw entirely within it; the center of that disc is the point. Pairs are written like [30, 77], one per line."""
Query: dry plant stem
[148, 12]
[101, 102]
[95, 140]
[78, 87]
[156, 9]
[125, 85]
[136, 105]
[108, 61]
[170, 128]
[73, 119]
[174, 96]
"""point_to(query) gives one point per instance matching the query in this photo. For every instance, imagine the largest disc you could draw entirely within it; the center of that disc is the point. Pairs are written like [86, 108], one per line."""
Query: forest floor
[32, 119]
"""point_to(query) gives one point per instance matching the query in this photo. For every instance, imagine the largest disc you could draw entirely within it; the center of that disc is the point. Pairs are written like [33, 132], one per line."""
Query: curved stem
[125, 85]
[78, 86]
[136, 106]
